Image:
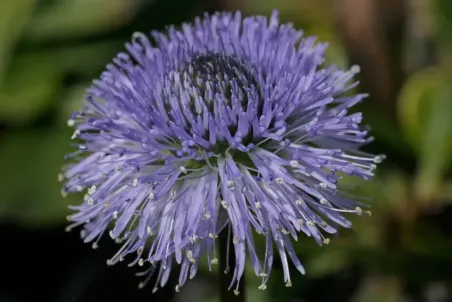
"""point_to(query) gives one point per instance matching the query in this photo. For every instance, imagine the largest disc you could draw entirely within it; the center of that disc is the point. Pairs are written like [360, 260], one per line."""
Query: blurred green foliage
[37, 64]
[51, 50]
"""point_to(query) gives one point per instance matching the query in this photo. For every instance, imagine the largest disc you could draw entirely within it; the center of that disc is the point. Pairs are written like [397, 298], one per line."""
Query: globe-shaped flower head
[224, 125]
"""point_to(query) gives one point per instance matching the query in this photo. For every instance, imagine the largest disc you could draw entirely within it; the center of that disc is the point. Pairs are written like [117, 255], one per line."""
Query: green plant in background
[48, 54]
[42, 46]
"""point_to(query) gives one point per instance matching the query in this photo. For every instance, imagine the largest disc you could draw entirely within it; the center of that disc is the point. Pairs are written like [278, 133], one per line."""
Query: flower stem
[227, 264]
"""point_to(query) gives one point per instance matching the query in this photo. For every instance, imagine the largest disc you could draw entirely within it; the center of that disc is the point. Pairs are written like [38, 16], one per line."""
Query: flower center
[223, 87]
[220, 72]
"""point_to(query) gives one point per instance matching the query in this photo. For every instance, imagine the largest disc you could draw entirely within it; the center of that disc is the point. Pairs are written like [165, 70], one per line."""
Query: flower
[229, 124]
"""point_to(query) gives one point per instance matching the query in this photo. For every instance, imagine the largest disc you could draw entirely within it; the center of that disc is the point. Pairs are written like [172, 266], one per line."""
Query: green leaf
[28, 89]
[83, 59]
[34, 79]
[14, 16]
[414, 104]
[436, 144]
[443, 13]
[30, 161]
[75, 18]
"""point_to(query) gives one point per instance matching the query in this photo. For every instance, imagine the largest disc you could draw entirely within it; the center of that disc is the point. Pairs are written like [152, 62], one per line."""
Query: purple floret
[228, 124]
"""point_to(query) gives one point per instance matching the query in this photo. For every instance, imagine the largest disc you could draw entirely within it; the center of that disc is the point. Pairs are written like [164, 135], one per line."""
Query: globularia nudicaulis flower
[228, 124]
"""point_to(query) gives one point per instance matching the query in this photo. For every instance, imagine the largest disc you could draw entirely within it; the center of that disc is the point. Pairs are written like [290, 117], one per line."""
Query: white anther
[294, 164]
[224, 203]
[117, 169]
[235, 240]
[177, 289]
[359, 211]
[90, 201]
[140, 250]
[115, 214]
[183, 169]
[258, 205]
[75, 134]
[262, 287]
[60, 177]
[112, 236]
[155, 289]
[299, 202]
[149, 231]
[379, 158]
[70, 122]
[79, 188]
[326, 240]
[135, 182]
[231, 184]
[214, 261]
[151, 195]
[355, 69]
[323, 185]
[141, 262]
[289, 284]
[300, 222]
[95, 245]
[82, 234]
[92, 190]
[310, 223]
[279, 180]
[190, 257]
[207, 215]
[213, 236]
[323, 201]
[285, 232]
[262, 275]
[236, 292]
[193, 238]
[141, 285]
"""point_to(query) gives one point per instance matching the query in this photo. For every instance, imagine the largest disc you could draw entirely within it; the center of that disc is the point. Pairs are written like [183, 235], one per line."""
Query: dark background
[50, 50]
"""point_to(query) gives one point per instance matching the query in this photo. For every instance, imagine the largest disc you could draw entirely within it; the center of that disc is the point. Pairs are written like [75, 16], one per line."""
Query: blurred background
[50, 50]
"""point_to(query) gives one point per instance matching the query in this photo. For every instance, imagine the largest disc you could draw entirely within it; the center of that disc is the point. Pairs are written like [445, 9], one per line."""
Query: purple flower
[228, 124]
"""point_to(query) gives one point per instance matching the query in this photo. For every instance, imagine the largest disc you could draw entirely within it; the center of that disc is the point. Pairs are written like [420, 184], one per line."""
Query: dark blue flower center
[214, 80]
[222, 70]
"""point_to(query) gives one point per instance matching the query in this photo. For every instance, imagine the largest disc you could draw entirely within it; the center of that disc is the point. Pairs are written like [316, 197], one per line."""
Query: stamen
[92, 190]
[294, 164]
